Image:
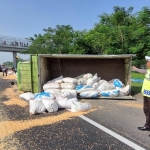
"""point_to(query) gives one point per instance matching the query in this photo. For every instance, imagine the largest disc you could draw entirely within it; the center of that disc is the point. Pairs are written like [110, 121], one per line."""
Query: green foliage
[137, 75]
[136, 86]
[8, 64]
[121, 32]
[60, 40]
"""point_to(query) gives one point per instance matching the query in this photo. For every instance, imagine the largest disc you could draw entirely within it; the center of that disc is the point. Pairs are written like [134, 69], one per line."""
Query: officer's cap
[147, 58]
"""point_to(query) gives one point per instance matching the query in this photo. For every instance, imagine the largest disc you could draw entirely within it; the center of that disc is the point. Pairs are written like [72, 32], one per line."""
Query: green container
[24, 76]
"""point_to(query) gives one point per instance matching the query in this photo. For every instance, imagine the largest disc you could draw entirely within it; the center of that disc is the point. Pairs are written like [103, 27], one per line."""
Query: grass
[136, 86]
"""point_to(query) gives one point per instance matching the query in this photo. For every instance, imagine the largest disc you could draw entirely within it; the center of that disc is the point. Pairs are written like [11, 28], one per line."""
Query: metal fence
[14, 41]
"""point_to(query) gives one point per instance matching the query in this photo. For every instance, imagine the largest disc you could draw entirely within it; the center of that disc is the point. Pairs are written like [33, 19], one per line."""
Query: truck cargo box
[45, 67]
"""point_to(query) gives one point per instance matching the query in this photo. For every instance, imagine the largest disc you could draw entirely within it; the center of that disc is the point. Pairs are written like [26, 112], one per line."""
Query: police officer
[146, 93]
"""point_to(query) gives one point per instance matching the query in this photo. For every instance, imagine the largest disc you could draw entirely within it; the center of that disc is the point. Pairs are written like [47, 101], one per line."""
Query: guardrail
[14, 41]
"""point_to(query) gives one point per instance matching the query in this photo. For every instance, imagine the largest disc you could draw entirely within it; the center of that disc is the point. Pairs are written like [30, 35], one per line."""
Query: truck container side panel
[34, 73]
[18, 76]
[128, 63]
[56, 68]
[44, 71]
[105, 68]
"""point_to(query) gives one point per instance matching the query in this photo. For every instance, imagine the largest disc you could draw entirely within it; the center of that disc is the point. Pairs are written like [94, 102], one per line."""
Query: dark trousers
[4, 72]
[146, 109]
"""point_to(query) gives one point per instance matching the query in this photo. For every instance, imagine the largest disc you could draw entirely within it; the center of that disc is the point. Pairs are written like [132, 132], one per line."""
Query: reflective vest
[146, 84]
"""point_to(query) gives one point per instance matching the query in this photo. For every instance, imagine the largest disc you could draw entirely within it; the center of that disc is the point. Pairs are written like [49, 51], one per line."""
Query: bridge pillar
[14, 59]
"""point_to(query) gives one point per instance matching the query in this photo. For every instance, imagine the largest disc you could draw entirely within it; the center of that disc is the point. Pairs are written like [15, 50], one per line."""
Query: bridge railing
[14, 41]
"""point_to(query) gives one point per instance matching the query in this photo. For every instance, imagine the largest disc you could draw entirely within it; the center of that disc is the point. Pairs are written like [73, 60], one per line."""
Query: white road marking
[115, 135]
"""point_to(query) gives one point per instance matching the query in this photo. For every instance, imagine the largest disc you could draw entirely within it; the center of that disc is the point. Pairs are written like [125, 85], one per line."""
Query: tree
[60, 40]
[141, 36]
[108, 36]
[121, 32]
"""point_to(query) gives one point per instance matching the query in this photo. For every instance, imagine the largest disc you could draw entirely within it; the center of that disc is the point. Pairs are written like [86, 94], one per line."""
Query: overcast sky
[23, 19]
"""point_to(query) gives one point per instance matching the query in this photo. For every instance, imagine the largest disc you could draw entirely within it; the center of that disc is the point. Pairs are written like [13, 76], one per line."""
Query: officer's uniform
[146, 96]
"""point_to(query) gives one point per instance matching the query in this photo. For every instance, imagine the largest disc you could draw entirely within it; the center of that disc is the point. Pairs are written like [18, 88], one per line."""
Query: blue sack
[80, 87]
[110, 93]
[118, 83]
[89, 94]
[39, 96]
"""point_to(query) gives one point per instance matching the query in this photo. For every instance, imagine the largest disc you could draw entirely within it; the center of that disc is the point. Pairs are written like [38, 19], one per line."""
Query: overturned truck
[45, 67]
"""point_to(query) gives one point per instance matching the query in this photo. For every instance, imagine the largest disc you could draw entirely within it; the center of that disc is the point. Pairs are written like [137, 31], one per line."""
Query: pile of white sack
[87, 86]
[92, 86]
[10, 72]
[46, 102]
[62, 92]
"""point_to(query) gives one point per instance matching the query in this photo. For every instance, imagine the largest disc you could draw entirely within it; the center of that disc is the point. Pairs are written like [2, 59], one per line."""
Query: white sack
[78, 106]
[69, 93]
[80, 76]
[82, 81]
[56, 79]
[54, 91]
[59, 81]
[91, 81]
[104, 85]
[101, 81]
[98, 79]
[69, 90]
[96, 85]
[69, 102]
[27, 96]
[70, 80]
[88, 76]
[36, 107]
[51, 85]
[68, 85]
[124, 91]
[89, 94]
[61, 101]
[111, 81]
[50, 105]
[9, 72]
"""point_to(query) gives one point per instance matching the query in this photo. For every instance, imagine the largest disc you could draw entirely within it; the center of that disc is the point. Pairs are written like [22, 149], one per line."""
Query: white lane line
[117, 136]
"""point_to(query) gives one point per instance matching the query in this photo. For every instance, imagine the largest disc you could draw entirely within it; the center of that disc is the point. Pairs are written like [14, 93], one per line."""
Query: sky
[23, 19]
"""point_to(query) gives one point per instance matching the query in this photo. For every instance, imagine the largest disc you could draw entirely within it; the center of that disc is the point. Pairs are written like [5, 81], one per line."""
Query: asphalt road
[120, 116]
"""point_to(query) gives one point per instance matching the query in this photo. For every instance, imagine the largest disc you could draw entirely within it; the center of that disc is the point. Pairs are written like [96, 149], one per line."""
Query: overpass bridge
[14, 45]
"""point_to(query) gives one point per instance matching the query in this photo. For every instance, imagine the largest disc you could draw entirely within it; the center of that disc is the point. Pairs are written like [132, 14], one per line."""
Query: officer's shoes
[144, 128]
